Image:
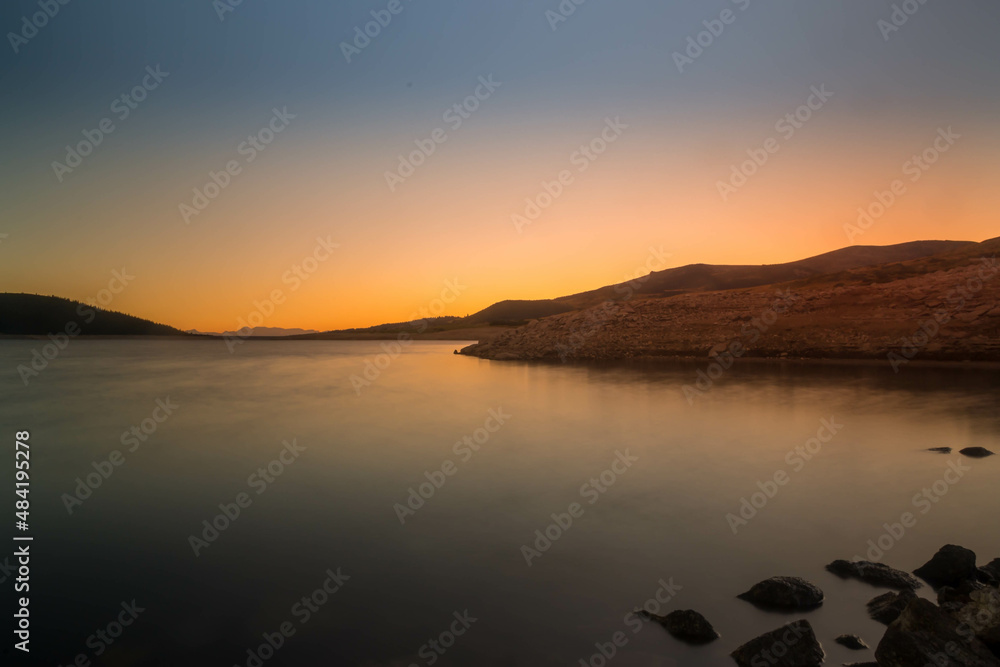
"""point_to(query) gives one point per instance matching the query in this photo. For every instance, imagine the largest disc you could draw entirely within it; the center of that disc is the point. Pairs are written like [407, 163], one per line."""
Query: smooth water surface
[365, 446]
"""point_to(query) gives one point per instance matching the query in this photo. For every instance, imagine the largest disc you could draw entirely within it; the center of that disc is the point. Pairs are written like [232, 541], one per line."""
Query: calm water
[664, 517]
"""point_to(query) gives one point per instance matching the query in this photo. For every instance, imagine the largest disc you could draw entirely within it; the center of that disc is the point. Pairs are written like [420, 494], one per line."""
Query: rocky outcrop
[976, 452]
[863, 314]
[793, 645]
[924, 634]
[990, 573]
[852, 642]
[784, 593]
[876, 574]
[688, 626]
[887, 607]
[950, 566]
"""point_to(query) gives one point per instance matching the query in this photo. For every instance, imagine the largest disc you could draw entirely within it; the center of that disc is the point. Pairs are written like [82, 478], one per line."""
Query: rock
[852, 642]
[940, 450]
[956, 597]
[875, 574]
[792, 645]
[990, 573]
[925, 635]
[784, 592]
[688, 625]
[981, 616]
[950, 566]
[976, 452]
[887, 607]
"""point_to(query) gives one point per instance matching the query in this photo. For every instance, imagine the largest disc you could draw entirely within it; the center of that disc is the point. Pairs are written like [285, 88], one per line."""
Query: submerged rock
[784, 592]
[687, 625]
[940, 450]
[925, 635]
[887, 607]
[792, 645]
[950, 566]
[852, 642]
[976, 452]
[876, 574]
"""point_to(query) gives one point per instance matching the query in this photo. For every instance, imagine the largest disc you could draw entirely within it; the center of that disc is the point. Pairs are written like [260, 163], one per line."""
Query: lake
[390, 520]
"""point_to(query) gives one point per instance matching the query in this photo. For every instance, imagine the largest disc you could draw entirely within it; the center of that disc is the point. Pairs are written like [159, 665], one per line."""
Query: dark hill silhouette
[36, 315]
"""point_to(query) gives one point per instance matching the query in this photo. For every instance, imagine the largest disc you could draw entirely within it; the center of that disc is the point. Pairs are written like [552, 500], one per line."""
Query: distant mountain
[35, 315]
[271, 332]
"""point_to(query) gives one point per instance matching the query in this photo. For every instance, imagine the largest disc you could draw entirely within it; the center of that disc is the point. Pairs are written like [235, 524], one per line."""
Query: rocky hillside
[944, 307]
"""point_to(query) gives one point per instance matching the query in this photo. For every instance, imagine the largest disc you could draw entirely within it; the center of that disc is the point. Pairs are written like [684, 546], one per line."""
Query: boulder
[981, 616]
[784, 593]
[875, 574]
[925, 635]
[976, 452]
[887, 607]
[950, 566]
[952, 598]
[792, 645]
[990, 573]
[688, 626]
[852, 642]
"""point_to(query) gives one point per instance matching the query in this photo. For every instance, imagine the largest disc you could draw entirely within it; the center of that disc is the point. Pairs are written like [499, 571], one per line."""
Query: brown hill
[944, 306]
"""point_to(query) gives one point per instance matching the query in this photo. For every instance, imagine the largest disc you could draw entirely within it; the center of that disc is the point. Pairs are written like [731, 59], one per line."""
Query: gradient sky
[324, 175]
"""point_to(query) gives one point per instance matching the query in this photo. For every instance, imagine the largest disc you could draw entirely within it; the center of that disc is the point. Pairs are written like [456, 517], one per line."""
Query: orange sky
[453, 219]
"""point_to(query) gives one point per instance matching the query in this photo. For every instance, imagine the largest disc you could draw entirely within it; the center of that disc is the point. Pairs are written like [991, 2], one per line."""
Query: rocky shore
[937, 308]
[961, 630]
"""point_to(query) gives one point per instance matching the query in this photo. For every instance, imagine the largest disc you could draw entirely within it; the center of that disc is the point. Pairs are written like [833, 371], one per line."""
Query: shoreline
[685, 359]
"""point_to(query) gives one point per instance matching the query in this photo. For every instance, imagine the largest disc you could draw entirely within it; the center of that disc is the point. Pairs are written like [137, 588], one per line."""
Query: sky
[271, 157]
